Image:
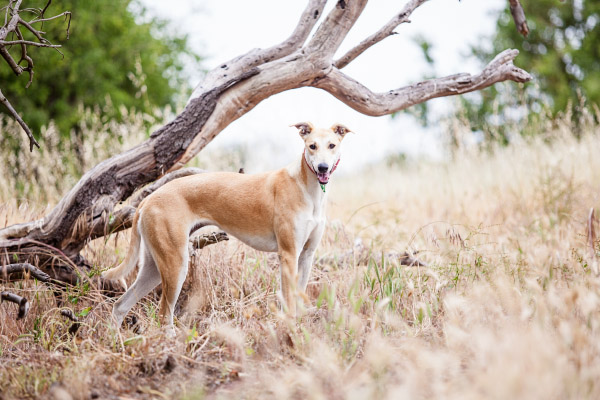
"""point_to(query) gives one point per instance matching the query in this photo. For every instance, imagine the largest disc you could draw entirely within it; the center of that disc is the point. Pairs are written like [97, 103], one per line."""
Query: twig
[45, 8]
[519, 17]
[591, 241]
[15, 114]
[29, 43]
[385, 31]
[66, 14]
[23, 268]
[25, 57]
[21, 301]
[67, 312]
[201, 241]
[36, 33]
[411, 261]
[18, 70]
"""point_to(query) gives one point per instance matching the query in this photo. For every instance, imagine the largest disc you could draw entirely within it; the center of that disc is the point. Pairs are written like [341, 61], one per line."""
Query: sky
[223, 29]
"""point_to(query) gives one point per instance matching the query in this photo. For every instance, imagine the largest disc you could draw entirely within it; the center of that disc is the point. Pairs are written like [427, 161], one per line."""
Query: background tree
[562, 52]
[115, 54]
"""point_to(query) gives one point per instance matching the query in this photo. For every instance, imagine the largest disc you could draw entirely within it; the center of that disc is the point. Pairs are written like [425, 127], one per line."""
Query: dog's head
[322, 147]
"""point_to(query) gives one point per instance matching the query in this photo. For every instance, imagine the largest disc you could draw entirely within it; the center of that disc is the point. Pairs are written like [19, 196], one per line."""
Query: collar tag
[322, 187]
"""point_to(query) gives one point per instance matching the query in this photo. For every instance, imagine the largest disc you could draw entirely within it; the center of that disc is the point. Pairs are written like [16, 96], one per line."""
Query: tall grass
[508, 306]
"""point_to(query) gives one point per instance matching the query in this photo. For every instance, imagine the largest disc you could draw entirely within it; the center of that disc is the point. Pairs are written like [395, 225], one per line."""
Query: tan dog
[282, 211]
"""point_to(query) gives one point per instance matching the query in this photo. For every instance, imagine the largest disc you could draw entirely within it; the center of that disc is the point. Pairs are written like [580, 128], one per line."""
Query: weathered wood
[385, 31]
[357, 96]
[229, 91]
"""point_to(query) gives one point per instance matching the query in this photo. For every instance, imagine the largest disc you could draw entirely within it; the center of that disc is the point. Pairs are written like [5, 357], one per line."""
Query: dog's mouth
[323, 177]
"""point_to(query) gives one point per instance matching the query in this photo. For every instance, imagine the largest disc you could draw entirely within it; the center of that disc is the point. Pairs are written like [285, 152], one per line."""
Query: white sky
[223, 29]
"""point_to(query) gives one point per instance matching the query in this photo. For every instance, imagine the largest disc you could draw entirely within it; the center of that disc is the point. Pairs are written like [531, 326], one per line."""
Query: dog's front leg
[305, 261]
[289, 277]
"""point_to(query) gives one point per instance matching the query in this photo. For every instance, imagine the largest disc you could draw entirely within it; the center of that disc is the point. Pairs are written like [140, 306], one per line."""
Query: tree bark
[229, 91]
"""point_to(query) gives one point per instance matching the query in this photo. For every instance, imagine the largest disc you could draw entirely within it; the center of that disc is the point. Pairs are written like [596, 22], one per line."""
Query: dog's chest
[307, 221]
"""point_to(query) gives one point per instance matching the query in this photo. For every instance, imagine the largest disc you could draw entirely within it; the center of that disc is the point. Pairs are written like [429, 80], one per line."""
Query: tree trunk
[228, 92]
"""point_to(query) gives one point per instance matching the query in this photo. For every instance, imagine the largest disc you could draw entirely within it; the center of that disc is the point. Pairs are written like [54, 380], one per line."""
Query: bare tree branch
[357, 96]
[13, 12]
[385, 31]
[256, 57]
[519, 17]
[9, 27]
[308, 19]
[332, 32]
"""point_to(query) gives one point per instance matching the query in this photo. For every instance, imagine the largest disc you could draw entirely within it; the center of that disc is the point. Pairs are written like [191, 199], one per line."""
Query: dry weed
[508, 306]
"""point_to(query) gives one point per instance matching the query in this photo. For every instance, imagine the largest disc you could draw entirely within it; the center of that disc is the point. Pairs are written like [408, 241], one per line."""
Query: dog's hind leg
[174, 270]
[148, 278]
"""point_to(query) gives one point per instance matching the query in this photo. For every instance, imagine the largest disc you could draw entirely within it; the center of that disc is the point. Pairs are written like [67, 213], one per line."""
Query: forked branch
[357, 96]
[385, 31]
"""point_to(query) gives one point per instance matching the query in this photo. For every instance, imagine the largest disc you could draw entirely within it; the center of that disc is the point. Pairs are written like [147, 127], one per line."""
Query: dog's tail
[133, 254]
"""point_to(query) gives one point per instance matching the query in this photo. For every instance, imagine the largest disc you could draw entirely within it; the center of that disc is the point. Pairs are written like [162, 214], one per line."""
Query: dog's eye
[313, 146]
[331, 145]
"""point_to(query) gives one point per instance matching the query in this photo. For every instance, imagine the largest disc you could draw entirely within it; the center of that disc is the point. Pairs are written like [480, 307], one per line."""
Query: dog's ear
[304, 128]
[340, 129]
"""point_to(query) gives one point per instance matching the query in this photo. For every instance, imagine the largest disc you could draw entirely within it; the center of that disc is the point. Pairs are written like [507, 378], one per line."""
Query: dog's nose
[323, 167]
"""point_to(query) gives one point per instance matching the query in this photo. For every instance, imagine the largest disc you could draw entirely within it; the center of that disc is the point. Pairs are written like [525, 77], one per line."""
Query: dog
[279, 211]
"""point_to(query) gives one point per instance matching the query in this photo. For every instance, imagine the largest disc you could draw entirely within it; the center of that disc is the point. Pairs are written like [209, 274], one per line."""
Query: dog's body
[282, 211]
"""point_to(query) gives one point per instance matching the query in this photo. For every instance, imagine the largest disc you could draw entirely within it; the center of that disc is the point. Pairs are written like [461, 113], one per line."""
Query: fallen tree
[90, 209]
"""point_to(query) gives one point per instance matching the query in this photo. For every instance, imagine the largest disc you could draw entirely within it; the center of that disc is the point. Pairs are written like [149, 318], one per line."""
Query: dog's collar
[314, 172]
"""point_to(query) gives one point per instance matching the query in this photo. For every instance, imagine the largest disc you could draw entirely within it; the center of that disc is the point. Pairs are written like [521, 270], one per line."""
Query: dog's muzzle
[323, 173]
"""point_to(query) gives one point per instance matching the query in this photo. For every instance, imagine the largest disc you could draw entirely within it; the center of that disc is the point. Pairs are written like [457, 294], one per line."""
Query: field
[508, 306]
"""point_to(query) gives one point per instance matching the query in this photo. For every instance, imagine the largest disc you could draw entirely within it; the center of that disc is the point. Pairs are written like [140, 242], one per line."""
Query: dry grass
[507, 308]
